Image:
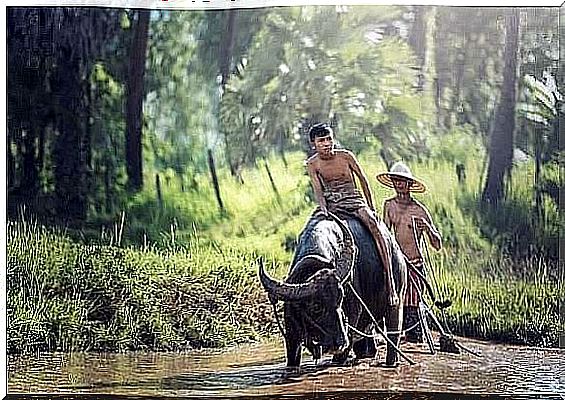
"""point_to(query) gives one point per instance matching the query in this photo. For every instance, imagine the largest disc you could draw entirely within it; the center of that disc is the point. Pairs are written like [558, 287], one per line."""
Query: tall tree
[225, 61]
[135, 94]
[501, 147]
[28, 65]
[468, 66]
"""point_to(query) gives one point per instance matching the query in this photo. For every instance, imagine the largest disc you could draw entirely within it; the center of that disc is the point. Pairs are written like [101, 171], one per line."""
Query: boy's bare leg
[371, 222]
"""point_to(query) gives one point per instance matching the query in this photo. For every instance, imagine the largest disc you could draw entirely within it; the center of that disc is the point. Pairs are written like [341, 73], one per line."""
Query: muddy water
[260, 369]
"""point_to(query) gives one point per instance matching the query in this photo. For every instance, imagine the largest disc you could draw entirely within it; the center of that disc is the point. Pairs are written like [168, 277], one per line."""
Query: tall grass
[497, 298]
[66, 296]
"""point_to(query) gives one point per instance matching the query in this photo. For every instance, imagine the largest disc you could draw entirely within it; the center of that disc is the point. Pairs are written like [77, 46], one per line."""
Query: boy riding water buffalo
[333, 173]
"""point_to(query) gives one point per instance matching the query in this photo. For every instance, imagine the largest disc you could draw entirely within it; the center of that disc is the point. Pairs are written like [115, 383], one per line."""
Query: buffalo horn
[295, 291]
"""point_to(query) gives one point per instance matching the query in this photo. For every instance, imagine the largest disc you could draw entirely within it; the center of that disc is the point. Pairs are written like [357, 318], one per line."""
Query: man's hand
[422, 224]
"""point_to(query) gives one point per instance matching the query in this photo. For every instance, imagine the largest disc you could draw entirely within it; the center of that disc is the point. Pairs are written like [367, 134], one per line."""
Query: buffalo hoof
[365, 348]
[391, 361]
[342, 359]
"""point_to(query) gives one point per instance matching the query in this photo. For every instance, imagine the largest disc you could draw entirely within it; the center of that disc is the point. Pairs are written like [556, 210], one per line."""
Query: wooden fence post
[215, 179]
[158, 187]
[277, 195]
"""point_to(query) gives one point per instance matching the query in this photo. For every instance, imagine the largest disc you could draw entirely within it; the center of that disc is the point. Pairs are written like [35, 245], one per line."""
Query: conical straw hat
[401, 170]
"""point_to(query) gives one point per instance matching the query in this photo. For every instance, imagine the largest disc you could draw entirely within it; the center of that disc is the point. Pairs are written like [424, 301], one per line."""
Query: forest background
[152, 156]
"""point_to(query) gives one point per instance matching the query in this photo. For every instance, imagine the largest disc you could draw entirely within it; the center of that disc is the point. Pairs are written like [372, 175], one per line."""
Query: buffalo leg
[393, 320]
[341, 357]
[365, 348]
[293, 352]
[293, 338]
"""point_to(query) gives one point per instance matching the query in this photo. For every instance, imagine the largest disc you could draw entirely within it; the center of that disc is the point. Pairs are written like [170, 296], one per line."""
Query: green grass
[66, 296]
[499, 299]
[184, 274]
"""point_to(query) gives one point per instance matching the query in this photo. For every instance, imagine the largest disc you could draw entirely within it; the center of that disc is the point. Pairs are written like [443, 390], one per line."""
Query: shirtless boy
[409, 219]
[332, 173]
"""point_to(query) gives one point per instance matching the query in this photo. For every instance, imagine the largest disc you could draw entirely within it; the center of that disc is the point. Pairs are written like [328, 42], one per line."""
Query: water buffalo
[319, 306]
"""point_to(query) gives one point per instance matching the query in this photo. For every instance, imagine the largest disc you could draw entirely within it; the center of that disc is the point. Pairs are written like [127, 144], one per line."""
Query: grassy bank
[66, 296]
[181, 274]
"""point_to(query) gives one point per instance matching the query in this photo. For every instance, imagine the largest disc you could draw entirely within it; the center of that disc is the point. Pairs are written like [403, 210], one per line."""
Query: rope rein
[442, 331]
[366, 335]
[279, 324]
[377, 327]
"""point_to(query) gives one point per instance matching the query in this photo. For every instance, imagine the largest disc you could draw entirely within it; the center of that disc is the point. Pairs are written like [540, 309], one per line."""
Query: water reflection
[260, 369]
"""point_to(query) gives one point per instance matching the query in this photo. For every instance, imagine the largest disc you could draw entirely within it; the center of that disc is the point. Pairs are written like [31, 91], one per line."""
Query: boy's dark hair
[319, 130]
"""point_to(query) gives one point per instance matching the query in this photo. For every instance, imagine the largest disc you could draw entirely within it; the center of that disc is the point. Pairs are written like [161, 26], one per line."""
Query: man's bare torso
[399, 216]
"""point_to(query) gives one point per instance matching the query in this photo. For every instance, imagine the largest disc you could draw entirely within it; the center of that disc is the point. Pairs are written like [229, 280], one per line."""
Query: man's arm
[430, 229]
[355, 167]
[317, 186]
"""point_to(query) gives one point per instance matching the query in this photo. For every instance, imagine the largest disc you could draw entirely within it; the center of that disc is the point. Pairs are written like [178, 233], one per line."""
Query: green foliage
[320, 63]
[459, 145]
[468, 62]
[289, 67]
[514, 226]
[496, 298]
[177, 105]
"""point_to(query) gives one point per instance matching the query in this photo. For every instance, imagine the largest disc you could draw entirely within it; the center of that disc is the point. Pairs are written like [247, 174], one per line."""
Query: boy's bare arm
[386, 216]
[356, 168]
[317, 186]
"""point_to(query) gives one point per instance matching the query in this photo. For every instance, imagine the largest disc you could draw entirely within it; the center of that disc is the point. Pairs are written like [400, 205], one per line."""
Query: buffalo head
[313, 295]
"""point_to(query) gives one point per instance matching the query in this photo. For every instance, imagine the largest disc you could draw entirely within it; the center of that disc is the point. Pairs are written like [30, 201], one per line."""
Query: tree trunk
[28, 183]
[275, 190]
[108, 189]
[226, 50]
[229, 159]
[417, 38]
[460, 61]
[134, 107]
[281, 148]
[41, 150]
[69, 166]
[11, 163]
[538, 140]
[437, 102]
[422, 39]
[442, 70]
[502, 137]
[225, 59]
[181, 181]
[429, 67]
[158, 190]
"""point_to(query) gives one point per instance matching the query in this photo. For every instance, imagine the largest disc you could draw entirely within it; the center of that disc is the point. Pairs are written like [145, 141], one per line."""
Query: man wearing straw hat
[409, 219]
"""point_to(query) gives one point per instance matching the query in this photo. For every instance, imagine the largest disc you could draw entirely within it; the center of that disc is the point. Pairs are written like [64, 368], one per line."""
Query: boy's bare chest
[334, 170]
